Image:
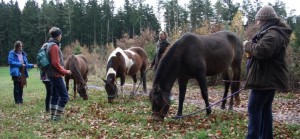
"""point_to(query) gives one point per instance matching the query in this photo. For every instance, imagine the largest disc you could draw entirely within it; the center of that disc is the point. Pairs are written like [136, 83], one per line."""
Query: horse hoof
[237, 102]
[208, 111]
[155, 118]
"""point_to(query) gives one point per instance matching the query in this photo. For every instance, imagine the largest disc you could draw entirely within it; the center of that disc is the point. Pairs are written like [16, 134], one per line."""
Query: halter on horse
[121, 63]
[79, 68]
[195, 56]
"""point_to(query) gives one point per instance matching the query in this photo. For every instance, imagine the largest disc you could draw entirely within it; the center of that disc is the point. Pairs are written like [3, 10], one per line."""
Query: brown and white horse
[121, 63]
[79, 68]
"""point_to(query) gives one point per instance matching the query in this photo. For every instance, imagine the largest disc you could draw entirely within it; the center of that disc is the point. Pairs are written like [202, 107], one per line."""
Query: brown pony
[195, 56]
[79, 68]
[121, 63]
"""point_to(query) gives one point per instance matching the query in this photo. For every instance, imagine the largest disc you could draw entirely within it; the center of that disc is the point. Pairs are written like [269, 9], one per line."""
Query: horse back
[139, 58]
[82, 64]
[211, 53]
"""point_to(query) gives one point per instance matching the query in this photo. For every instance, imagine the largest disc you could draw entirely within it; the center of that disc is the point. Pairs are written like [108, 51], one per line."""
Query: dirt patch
[286, 107]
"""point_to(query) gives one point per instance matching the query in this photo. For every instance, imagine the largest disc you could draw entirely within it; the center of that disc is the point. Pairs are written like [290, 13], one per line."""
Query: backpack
[42, 58]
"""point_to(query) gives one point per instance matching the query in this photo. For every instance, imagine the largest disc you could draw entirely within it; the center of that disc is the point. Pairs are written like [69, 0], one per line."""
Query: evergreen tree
[29, 29]
[4, 46]
[197, 13]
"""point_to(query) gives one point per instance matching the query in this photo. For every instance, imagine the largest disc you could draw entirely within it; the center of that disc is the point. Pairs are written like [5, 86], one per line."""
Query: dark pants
[59, 95]
[48, 94]
[260, 124]
[18, 92]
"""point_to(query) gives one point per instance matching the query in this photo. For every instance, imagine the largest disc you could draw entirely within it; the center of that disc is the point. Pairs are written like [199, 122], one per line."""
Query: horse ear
[104, 80]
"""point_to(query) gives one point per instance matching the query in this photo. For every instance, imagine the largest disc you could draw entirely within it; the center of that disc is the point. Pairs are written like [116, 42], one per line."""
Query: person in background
[59, 96]
[267, 71]
[18, 68]
[161, 48]
[47, 84]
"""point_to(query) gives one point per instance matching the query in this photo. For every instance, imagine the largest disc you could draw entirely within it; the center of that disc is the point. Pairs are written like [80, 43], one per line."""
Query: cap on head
[55, 32]
[266, 13]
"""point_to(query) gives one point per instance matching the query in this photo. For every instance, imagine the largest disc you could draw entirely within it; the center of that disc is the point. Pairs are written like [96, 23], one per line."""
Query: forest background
[98, 26]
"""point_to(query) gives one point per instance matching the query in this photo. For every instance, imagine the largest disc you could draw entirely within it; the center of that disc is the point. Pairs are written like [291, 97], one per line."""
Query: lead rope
[196, 112]
[141, 80]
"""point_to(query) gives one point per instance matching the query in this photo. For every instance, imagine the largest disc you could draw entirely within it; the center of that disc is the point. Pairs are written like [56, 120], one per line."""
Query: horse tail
[74, 67]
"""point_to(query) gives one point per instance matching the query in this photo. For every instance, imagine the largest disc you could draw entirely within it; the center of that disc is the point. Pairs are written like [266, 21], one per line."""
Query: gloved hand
[246, 48]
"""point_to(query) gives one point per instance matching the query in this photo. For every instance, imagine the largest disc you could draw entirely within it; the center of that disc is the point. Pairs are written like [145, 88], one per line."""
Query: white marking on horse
[133, 53]
[110, 71]
[128, 62]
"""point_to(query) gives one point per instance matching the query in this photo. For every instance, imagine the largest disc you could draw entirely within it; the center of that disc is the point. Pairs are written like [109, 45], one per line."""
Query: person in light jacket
[18, 68]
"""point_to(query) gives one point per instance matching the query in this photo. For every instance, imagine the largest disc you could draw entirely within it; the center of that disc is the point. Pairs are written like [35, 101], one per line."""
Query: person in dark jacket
[161, 48]
[18, 67]
[59, 96]
[267, 71]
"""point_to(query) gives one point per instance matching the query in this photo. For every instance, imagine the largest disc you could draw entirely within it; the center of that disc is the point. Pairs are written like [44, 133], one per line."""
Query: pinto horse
[77, 64]
[195, 56]
[121, 63]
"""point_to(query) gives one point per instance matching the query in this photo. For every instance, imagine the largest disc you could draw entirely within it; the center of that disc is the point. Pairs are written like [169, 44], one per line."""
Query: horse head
[111, 89]
[160, 101]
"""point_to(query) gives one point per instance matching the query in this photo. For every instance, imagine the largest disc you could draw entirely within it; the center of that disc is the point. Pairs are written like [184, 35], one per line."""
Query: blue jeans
[59, 94]
[260, 124]
[18, 92]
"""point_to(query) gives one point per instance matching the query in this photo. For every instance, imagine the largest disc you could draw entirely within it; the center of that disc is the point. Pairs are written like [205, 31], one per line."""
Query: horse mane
[165, 60]
[75, 70]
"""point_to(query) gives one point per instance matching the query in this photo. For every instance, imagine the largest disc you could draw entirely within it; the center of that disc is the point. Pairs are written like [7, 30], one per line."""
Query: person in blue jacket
[18, 67]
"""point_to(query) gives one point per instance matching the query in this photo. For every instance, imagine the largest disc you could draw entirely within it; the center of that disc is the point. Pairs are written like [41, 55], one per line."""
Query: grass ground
[126, 118]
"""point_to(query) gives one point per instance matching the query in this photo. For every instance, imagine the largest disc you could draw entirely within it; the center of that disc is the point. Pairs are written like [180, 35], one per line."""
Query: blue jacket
[15, 64]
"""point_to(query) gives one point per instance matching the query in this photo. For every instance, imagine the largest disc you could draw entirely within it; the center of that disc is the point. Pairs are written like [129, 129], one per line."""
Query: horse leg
[201, 79]
[226, 87]
[67, 82]
[182, 90]
[143, 77]
[134, 84]
[235, 86]
[74, 88]
[122, 80]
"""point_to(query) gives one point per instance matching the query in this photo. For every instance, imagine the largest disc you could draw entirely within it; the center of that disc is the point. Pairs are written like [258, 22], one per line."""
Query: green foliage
[150, 49]
[77, 50]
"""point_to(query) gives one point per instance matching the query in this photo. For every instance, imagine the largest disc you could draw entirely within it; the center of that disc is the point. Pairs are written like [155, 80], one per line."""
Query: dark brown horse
[79, 68]
[121, 63]
[194, 56]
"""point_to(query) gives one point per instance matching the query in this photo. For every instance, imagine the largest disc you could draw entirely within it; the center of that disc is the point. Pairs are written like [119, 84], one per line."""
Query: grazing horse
[77, 64]
[121, 63]
[195, 56]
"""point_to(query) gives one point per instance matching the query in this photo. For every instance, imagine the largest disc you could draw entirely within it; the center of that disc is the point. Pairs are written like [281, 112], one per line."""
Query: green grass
[126, 118]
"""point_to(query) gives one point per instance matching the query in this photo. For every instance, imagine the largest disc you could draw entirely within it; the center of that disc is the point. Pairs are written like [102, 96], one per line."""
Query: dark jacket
[268, 67]
[15, 64]
[160, 49]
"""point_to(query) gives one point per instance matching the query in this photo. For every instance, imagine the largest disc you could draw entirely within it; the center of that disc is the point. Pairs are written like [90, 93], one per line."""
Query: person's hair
[163, 32]
[55, 32]
[18, 44]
